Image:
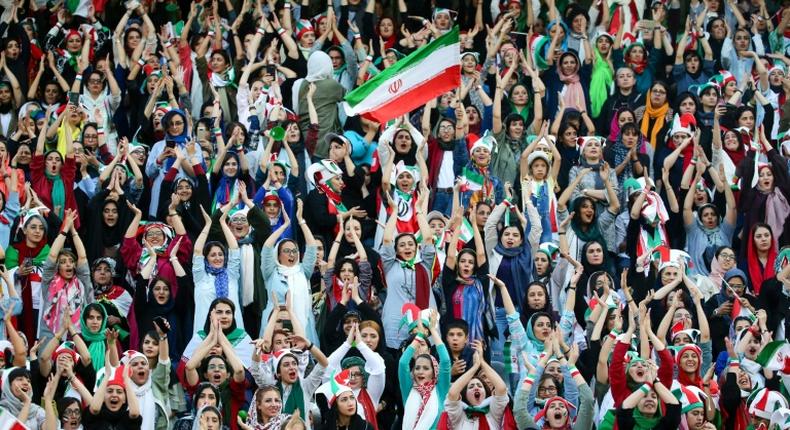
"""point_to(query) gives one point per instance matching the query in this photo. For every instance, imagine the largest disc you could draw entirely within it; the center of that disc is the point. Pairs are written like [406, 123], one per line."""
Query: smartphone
[170, 143]
[271, 69]
[648, 24]
[74, 98]
[288, 325]
[160, 322]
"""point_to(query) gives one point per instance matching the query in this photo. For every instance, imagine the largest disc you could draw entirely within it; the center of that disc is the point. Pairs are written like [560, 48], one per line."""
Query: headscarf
[168, 232]
[363, 398]
[425, 389]
[601, 79]
[637, 66]
[758, 274]
[520, 265]
[228, 186]
[95, 341]
[63, 293]
[9, 401]
[683, 377]
[275, 423]
[655, 114]
[319, 67]
[593, 232]
[220, 273]
[204, 409]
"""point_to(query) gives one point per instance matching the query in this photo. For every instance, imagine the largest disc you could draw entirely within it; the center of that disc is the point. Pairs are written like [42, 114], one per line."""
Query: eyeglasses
[660, 92]
[216, 367]
[292, 251]
[176, 123]
[72, 412]
[445, 127]
[154, 233]
[239, 219]
[547, 390]
[737, 286]
[355, 375]
[727, 256]
[95, 81]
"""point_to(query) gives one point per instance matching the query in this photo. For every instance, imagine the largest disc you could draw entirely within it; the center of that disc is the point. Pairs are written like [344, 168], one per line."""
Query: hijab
[94, 340]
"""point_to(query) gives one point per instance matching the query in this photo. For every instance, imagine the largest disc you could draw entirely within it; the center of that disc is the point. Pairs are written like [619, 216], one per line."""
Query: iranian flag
[411, 82]
[737, 309]
[9, 422]
[471, 180]
[773, 355]
[78, 7]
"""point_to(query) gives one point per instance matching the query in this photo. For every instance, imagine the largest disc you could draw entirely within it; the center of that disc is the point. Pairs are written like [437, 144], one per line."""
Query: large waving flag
[427, 72]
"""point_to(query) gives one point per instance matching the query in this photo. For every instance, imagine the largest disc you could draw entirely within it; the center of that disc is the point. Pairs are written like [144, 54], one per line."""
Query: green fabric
[234, 337]
[295, 399]
[600, 82]
[58, 193]
[12, 257]
[95, 341]
[643, 422]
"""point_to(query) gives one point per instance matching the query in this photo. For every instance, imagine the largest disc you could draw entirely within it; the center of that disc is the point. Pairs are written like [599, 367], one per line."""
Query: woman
[65, 281]
[465, 282]
[226, 176]
[372, 335]
[93, 322]
[464, 414]
[627, 157]
[348, 247]
[151, 386]
[343, 412]
[107, 218]
[114, 404]
[594, 186]
[205, 395]
[642, 409]
[764, 197]
[424, 383]
[655, 113]
[407, 269]
[586, 222]
[208, 418]
[216, 269]
[545, 261]
[17, 397]
[265, 411]
[53, 177]
[26, 257]
[192, 191]
[341, 272]
[602, 76]
[221, 309]
[286, 274]
[760, 255]
[221, 74]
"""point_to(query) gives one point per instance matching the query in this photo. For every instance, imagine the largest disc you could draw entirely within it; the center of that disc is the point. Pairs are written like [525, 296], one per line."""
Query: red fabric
[423, 286]
[758, 274]
[435, 157]
[43, 186]
[369, 408]
[27, 289]
[444, 421]
[684, 378]
[617, 376]
[131, 250]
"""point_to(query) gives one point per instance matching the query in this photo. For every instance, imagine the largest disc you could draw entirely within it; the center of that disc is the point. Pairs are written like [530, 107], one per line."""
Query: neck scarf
[596, 168]
[480, 412]
[521, 269]
[161, 250]
[334, 200]
[422, 282]
[58, 193]
[573, 91]
[363, 398]
[15, 256]
[220, 278]
[425, 390]
[295, 399]
[473, 309]
[642, 422]
[600, 82]
[63, 293]
[655, 114]
[227, 190]
[758, 274]
[147, 402]
[620, 154]
[247, 271]
[716, 273]
[592, 232]
[777, 212]
[224, 79]
[95, 341]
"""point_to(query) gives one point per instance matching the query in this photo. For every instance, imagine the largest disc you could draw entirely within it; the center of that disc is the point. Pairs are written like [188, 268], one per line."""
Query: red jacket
[617, 376]
[43, 186]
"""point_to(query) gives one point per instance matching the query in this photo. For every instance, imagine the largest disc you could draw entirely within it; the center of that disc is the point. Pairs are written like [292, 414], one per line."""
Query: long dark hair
[217, 301]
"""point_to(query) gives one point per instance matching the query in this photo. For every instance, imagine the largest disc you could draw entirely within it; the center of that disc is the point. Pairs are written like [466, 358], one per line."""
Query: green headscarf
[58, 190]
[94, 340]
[600, 80]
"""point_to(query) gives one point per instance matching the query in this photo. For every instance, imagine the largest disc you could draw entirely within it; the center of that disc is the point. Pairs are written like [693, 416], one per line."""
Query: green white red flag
[411, 82]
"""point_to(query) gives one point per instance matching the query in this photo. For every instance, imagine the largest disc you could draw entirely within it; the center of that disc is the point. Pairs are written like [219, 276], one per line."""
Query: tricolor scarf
[425, 390]
[159, 251]
[422, 282]
[471, 412]
[63, 293]
[295, 399]
[637, 66]
[223, 79]
[16, 256]
[363, 398]
[334, 200]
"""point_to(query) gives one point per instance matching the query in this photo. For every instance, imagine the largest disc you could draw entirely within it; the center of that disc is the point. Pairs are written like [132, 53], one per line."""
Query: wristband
[530, 378]
[64, 234]
[613, 334]
[420, 335]
[100, 131]
[357, 36]
[734, 363]
[141, 62]
[369, 58]
[216, 130]
[287, 5]
[280, 30]
[167, 44]
[309, 347]
[260, 31]
[78, 77]
[575, 372]
[645, 388]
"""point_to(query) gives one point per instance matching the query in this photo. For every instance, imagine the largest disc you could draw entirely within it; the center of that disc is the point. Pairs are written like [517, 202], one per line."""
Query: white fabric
[429, 414]
[247, 274]
[145, 398]
[205, 293]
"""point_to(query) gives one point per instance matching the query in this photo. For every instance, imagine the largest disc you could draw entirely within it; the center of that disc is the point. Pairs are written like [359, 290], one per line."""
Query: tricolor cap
[337, 385]
[412, 314]
[585, 140]
[723, 78]
[705, 86]
[68, 348]
[680, 328]
[669, 257]
[764, 402]
[633, 185]
[542, 413]
[486, 141]
[684, 123]
[780, 419]
[691, 398]
[130, 355]
[538, 154]
[551, 250]
[402, 167]
[322, 171]
[303, 27]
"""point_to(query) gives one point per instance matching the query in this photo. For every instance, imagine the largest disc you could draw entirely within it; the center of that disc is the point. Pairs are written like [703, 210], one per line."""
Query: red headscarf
[758, 274]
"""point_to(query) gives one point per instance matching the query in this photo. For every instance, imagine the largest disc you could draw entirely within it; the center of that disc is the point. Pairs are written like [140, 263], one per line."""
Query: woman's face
[155, 237]
[346, 273]
[481, 213]
[161, 292]
[66, 266]
[150, 348]
[472, 116]
[687, 106]
[731, 141]
[718, 29]
[689, 362]
[71, 417]
[542, 264]
[547, 389]
[132, 40]
[288, 254]
[536, 297]
[648, 405]
[709, 218]
[218, 63]
[753, 347]
[746, 120]
[272, 209]
[592, 150]
[93, 320]
[558, 31]
[637, 54]
[669, 274]
[216, 257]
[216, 371]
[184, 190]
[346, 404]
[442, 21]
[110, 214]
[371, 337]
[423, 370]
[511, 237]
[207, 397]
[630, 138]
[604, 45]
[34, 230]
[468, 64]
[223, 313]
[766, 179]
[209, 420]
[230, 167]
[114, 398]
[586, 212]
[519, 95]
[386, 27]
[351, 227]
[658, 95]
[466, 265]
[475, 392]
[624, 118]
[405, 181]
[406, 247]
[569, 137]
[742, 40]
[726, 259]
[542, 327]
[557, 414]
[102, 275]
[74, 44]
[270, 404]
[139, 370]
[763, 239]
[175, 125]
[289, 370]
[594, 254]
[53, 163]
[569, 64]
